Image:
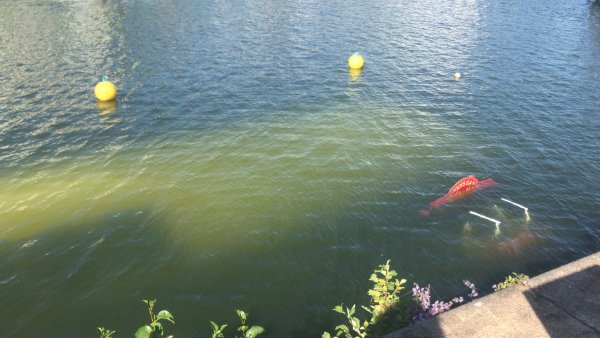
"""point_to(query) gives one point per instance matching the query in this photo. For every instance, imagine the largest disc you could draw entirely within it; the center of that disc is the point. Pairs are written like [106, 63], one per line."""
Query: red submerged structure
[460, 189]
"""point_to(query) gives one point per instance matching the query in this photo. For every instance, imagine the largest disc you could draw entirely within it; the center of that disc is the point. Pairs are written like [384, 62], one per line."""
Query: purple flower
[439, 307]
[422, 296]
[458, 300]
[471, 286]
[426, 310]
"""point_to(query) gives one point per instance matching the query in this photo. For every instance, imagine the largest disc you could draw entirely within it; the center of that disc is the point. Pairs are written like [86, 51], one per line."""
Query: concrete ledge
[564, 302]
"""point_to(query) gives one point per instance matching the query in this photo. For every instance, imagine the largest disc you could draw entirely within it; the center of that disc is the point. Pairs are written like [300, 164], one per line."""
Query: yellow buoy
[105, 90]
[355, 61]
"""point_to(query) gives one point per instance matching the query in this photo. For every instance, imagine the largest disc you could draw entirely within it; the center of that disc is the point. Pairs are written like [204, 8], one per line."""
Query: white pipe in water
[527, 218]
[515, 204]
[485, 217]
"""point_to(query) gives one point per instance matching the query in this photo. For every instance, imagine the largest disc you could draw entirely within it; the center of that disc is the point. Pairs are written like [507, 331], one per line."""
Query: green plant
[217, 331]
[343, 330]
[155, 328]
[105, 333]
[246, 331]
[385, 294]
[512, 279]
[385, 299]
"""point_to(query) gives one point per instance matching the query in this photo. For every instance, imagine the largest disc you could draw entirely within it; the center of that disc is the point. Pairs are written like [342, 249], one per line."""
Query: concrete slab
[564, 302]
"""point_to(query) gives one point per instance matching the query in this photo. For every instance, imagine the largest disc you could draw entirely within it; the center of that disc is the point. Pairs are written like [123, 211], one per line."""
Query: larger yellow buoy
[355, 61]
[105, 90]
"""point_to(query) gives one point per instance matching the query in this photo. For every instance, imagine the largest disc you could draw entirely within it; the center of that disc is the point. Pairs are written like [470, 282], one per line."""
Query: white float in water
[457, 76]
[520, 206]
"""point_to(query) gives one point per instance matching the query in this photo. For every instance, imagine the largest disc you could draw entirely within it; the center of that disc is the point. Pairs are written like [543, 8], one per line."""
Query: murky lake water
[244, 166]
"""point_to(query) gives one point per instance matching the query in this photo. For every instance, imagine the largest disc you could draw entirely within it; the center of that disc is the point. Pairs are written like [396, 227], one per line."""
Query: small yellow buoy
[457, 76]
[105, 90]
[355, 61]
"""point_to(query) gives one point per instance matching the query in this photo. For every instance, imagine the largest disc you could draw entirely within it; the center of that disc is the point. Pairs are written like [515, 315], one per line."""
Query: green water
[243, 165]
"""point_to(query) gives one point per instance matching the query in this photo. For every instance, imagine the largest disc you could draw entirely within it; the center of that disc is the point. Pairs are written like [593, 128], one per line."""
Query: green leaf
[243, 315]
[374, 293]
[351, 312]
[342, 327]
[242, 328]
[105, 333]
[326, 335]
[150, 303]
[254, 331]
[143, 332]
[157, 327]
[214, 325]
[166, 315]
[338, 309]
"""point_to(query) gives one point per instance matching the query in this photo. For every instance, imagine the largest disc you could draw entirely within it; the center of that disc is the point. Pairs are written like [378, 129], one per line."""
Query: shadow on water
[93, 275]
[78, 277]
